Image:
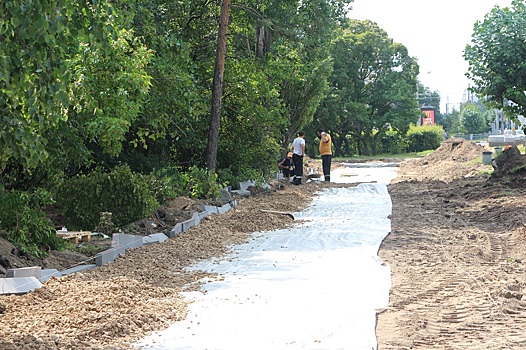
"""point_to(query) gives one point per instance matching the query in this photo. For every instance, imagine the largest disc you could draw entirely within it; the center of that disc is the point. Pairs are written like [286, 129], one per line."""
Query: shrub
[22, 216]
[423, 138]
[392, 142]
[167, 183]
[202, 183]
[227, 176]
[196, 182]
[125, 194]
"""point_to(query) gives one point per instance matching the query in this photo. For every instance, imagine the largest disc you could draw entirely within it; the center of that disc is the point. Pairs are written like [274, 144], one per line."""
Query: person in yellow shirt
[326, 153]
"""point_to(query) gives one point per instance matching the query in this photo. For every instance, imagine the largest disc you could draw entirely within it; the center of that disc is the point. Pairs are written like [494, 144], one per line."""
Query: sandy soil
[456, 251]
[457, 254]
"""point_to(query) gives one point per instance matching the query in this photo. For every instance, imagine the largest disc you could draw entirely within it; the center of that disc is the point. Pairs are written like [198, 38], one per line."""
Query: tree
[472, 119]
[293, 38]
[428, 98]
[496, 58]
[371, 90]
[182, 37]
[38, 38]
[451, 122]
[217, 88]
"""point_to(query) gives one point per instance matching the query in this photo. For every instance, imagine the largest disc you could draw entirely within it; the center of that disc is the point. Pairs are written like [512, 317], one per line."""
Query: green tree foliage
[292, 41]
[472, 119]
[22, 217]
[428, 98]
[423, 138]
[71, 85]
[37, 40]
[496, 57]
[109, 90]
[372, 88]
[451, 122]
[125, 194]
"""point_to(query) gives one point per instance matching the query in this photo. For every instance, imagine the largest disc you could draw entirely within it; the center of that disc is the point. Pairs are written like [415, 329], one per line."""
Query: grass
[485, 171]
[382, 156]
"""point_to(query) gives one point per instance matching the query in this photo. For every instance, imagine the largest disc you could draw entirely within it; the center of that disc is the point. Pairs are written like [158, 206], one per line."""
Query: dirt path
[457, 256]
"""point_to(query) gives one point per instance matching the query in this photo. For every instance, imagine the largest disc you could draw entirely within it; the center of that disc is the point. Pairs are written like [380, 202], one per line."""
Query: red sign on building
[429, 118]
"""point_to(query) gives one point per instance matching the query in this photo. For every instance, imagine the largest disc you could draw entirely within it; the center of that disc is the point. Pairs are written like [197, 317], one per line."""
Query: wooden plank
[75, 236]
[278, 212]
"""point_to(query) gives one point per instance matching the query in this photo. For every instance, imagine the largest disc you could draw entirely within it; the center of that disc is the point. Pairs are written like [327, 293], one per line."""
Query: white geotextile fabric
[361, 173]
[317, 285]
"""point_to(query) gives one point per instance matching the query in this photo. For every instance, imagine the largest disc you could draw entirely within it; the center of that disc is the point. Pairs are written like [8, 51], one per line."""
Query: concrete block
[265, 186]
[19, 285]
[127, 241]
[196, 218]
[212, 209]
[79, 268]
[226, 195]
[242, 193]
[203, 215]
[243, 186]
[146, 240]
[33, 271]
[224, 208]
[106, 256]
[233, 203]
[120, 250]
[187, 224]
[178, 228]
[48, 273]
[159, 237]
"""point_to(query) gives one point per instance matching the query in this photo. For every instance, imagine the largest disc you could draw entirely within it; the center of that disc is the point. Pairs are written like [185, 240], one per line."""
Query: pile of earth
[455, 158]
[510, 166]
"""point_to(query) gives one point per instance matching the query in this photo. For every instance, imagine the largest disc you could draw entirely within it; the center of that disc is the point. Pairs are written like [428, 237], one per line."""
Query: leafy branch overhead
[496, 58]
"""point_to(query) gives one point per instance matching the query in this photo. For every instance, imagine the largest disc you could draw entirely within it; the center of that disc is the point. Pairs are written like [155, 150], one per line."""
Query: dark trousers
[326, 166]
[298, 168]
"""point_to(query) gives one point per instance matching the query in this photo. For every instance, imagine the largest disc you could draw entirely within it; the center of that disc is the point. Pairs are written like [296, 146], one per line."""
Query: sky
[436, 32]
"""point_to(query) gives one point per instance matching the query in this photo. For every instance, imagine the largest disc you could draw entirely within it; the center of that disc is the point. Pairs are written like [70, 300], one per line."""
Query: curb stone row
[27, 279]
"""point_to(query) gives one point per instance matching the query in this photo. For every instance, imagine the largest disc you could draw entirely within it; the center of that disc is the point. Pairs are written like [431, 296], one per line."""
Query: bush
[196, 182]
[423, 138]
[392, 143]
[125, 194]
[167, 183]
[227, 176]
[202, 183]
[22, 216]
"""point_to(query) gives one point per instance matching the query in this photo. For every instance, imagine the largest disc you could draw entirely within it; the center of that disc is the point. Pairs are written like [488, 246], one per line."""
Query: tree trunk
[262, 40]
[217, 89]
[338, 142]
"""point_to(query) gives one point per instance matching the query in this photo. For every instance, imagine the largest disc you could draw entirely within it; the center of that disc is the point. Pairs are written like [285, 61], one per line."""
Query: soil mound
[509, 168]
[510, 162]
[454, 159]
[455, 149]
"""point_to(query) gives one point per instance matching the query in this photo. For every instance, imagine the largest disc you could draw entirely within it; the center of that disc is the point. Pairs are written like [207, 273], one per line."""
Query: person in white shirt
[298, 152]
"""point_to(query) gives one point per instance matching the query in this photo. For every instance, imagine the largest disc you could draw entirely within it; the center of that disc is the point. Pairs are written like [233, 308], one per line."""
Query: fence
[473, 137]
